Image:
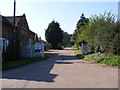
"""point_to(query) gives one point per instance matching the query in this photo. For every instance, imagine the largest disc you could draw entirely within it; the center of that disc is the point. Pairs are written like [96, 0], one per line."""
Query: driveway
[61, 70]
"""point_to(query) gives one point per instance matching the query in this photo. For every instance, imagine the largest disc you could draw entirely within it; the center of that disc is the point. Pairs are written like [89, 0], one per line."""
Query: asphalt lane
[61, 70]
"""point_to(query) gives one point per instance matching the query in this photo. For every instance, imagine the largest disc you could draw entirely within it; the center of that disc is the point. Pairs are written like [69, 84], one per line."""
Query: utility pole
[14, 34]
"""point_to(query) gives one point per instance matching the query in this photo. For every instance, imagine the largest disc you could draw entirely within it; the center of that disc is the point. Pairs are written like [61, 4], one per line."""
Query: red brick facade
[24, 35]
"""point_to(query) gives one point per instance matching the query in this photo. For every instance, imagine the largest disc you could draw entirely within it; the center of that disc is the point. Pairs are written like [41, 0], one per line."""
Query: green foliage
[80, 24]
[21, 62]
[110, 61]
[78, 53]
[54, 34]
[102, 33]
[83, 21]
[66, 39]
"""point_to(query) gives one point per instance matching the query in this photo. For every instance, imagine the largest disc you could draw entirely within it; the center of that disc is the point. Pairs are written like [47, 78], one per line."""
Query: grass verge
[110, 61]
[22, 62]
[78, 53]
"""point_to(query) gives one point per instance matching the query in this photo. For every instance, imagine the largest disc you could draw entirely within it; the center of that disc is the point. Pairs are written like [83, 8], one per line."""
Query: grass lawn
[110, 61]
[21, 62]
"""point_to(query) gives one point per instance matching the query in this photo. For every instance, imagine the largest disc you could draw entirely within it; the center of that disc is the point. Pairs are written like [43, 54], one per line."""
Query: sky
[40, 13]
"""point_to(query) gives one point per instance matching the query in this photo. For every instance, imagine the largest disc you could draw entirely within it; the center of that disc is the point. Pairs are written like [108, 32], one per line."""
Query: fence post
[31, 49]
[82, 49]
[43, 50]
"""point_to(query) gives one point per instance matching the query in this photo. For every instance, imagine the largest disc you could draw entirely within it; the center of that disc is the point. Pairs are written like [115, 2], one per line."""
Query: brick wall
[23, 36]
[7, 33]
[24, 33]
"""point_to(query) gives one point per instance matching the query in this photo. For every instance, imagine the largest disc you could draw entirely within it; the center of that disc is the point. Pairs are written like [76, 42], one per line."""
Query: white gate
[86, 48]
[36, 50]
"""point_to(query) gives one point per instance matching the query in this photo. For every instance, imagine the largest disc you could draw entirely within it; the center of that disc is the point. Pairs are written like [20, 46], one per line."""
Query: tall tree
[103, 34]
[54, 34]
[83, 21]
[66, 39]
[80, 24]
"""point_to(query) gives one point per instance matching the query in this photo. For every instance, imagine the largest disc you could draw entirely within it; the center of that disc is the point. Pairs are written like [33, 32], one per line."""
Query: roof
[32, 32]
[11, 19]
[4, 20]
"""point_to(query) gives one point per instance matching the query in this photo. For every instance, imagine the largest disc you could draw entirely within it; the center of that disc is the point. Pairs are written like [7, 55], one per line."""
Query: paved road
[61, 70]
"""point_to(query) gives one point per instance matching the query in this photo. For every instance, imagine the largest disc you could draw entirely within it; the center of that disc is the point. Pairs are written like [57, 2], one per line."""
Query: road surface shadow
[39, 71]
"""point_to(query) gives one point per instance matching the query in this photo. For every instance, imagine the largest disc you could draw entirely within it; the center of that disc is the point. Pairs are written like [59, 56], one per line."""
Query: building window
[30, 41]
[3, 44]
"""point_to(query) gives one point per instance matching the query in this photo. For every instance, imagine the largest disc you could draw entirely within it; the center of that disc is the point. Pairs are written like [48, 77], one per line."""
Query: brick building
[22, 36]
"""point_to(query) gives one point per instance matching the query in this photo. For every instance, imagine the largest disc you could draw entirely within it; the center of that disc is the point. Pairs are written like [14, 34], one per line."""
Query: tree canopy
[54, 34]
[66, 39]
[80, 24]
[102, 33]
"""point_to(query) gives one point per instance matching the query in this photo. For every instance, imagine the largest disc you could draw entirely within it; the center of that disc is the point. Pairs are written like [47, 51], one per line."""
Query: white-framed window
[30, 42]
[3, 44]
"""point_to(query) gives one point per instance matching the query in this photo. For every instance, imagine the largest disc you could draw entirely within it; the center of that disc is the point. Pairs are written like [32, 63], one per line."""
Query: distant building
[24, 36]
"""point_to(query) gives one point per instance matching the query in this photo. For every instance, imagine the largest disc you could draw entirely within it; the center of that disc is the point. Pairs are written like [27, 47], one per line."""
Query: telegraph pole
[14, 42]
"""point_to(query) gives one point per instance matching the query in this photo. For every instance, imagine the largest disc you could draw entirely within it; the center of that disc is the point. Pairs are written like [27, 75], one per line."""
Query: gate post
[43, 50]
[82, 48]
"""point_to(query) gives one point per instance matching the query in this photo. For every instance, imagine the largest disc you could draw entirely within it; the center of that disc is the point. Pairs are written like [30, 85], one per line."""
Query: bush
[102, 33]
